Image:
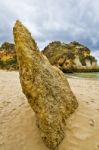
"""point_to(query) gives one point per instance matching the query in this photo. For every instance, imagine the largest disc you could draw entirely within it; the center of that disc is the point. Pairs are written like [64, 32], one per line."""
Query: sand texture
[18, 130]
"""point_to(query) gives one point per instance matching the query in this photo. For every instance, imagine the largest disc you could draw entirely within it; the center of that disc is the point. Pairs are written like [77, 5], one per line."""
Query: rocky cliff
[72, 57]
[45, 87]
[8, 56]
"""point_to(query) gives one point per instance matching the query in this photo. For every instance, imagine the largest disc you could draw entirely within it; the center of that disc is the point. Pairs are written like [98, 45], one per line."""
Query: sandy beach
[18, 129]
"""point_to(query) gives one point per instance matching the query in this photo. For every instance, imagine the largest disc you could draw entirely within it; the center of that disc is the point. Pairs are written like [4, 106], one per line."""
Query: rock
[8, 58]
[7, 46]
[88, 63]
[77, 61]
[45, 87]
[72, 57]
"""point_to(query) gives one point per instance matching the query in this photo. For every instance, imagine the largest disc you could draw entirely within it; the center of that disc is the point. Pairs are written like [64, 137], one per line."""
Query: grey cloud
[49, 20]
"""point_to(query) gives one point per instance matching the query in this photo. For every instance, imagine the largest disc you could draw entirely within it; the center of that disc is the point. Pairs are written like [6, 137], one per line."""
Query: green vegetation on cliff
[8, 58]
[72, 57]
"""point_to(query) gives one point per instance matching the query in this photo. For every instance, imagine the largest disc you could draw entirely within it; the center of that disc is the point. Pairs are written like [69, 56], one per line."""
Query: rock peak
[23, 37]
[18, 22]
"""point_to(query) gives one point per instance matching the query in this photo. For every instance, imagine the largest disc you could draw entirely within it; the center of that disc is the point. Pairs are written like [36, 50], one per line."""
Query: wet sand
[18, 129]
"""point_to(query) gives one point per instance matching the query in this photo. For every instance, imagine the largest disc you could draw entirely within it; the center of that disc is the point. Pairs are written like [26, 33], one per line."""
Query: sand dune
[18, 129]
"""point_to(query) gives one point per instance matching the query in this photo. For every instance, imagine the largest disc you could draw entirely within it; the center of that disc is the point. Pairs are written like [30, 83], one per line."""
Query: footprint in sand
[92, 101]
[97, 109]
[87, 103]
[5, 104]
[92, 122]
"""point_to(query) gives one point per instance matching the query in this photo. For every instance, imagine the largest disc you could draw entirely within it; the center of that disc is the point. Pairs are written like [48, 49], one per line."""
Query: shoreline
[68, 75]
[75, 77]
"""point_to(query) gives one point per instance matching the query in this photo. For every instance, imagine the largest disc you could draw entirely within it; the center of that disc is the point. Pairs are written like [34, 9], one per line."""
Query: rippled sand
[17, 121]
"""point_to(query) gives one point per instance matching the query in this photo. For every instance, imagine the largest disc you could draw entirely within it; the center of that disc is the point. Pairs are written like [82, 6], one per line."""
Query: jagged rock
[7, 46]
[45, 87]
[8, 58]
[72, 57]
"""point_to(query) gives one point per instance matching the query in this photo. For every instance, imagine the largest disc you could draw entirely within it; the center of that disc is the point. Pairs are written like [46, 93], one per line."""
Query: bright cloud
[96, 54]
[48, 20]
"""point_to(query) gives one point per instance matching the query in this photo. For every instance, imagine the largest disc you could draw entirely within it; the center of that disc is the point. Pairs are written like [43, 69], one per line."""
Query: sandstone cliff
[72, 57]
[45, 87]
[8, 56]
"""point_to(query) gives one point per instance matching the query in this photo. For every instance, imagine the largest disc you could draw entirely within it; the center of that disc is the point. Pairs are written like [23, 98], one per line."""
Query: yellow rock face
[45, 87]
[70, 57]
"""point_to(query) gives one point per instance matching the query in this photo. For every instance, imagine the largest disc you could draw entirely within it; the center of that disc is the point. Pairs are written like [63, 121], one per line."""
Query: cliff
[72, 57]
[8, 56]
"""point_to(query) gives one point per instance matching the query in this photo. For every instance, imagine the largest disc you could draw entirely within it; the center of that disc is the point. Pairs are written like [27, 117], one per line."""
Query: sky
[53, 20]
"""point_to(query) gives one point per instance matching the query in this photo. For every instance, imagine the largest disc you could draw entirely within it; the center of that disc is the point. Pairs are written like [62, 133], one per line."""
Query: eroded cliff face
[8, 58]
[45, 87]
[7, 46]
[71, 57]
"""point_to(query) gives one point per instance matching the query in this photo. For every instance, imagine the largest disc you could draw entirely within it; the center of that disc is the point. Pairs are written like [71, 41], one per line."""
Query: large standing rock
[45, 87]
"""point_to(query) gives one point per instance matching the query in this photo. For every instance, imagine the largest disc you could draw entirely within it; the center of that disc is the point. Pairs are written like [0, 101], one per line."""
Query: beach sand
[18, 129]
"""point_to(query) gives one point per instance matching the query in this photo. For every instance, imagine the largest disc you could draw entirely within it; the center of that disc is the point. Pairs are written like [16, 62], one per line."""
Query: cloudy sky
[52, 20]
